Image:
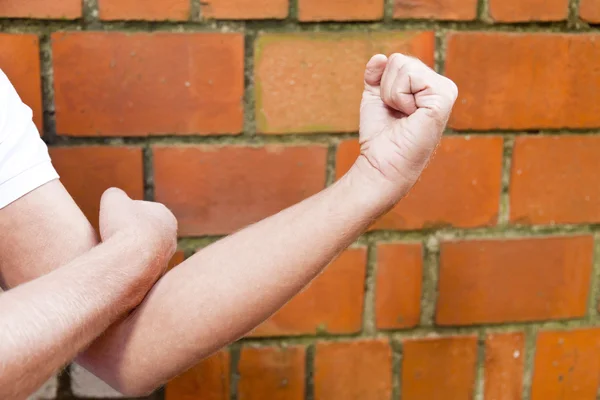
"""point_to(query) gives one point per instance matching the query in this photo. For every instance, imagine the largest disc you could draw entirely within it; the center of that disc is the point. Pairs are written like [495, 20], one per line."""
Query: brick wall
[482, 283]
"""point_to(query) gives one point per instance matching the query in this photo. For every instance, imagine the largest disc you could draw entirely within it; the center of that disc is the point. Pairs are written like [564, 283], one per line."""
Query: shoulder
[13, 112]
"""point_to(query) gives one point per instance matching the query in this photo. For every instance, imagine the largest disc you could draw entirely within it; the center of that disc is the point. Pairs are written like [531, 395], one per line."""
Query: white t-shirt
[24, 161]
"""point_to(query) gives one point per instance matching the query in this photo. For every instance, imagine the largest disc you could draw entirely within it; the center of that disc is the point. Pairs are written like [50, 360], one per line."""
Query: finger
[389, 76]
[401, 96]
[374, 70]
[113, 196]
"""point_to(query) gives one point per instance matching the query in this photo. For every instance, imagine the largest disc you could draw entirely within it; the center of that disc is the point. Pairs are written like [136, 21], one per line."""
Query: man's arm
[46, 322]
[228, 288]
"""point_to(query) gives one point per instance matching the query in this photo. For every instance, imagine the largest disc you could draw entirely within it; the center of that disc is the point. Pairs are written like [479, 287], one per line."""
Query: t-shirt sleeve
[24, 160]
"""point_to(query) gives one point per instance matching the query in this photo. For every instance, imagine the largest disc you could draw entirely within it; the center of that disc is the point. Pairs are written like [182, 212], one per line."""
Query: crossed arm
[223, 291]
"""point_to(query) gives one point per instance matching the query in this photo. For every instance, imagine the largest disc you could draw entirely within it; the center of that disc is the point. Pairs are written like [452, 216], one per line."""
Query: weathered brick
[226, 188]
[439, 368]
[529, 10]
[332, 303]
[20, 61]
[272, 373]
[244, 9]
[154, 10]
[567, 365]
[357, 370]
[88, 171]
[454, 10]
[554, 179]
[398, 285]
[509, 280]
[517, 81]
[504, 365]
[312, 82]
[121, 84]
[460, 187]
[56, 9]
[589, 10]
[87, 385]
[177, 259]
[209, 380]
[340, 10]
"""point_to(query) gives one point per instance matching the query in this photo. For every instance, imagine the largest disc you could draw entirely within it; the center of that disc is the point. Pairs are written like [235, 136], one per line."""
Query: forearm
[44, 323]
[228, 288]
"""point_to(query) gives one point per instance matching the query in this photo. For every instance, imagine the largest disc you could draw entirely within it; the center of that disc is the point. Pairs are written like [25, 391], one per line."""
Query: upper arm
[41, 227]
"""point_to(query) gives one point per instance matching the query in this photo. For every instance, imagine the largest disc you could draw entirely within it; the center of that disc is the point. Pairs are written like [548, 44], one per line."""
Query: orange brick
[154, 10]
[497, 280]
[177, 259]
[88, 171]
[56, 9]
[554, 179]
[272, 373]
[244, 9]
[589, 10]
[209, 380]
[492, 70]
[454, 10]
[439, 368]
[529, 10]
[398, 287]
[332, 303]
[567, 365]
[339, 10]
[504, 355]
[312, 82]
[358, 370]
[460, 187]
[20, 61]
[227, 188]
[122, 84]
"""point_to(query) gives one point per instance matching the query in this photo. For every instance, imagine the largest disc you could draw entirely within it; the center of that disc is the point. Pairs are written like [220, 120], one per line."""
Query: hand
[404, 110]
[150, 227]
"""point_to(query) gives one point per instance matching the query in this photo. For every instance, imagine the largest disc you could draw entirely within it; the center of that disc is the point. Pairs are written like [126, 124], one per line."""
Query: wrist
[373, 187]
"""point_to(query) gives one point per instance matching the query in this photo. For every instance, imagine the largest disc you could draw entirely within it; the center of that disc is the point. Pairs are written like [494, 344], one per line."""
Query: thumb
[374, 70]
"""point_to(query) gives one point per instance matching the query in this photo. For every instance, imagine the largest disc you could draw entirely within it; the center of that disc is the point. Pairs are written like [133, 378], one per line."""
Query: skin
[223, 291]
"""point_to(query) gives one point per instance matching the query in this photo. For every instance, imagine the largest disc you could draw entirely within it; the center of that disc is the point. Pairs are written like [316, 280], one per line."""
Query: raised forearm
[44, 323]
[228, 288]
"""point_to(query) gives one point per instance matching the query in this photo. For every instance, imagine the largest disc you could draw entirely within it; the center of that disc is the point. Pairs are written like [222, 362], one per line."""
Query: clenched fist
[150, 227]
[404, 110]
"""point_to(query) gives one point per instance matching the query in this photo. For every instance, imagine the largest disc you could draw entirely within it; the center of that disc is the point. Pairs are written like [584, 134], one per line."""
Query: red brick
[209, 380]
[88, 171]
[439, 368]
[154, 10]
[20, 61]
[511, 280]
[177, 259]
[272, 373]
[460, 187]
[529, 10]
[504, 355]
[121, 84]
[589, 10]
[358, 370]
[398, 287]
[56, 9]
[454, 10]
[244, 9]
[567, 365]
[312, 82]
[517, 81]
[340, 10]
[227, 188]
[332, 303]
[554, 179]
